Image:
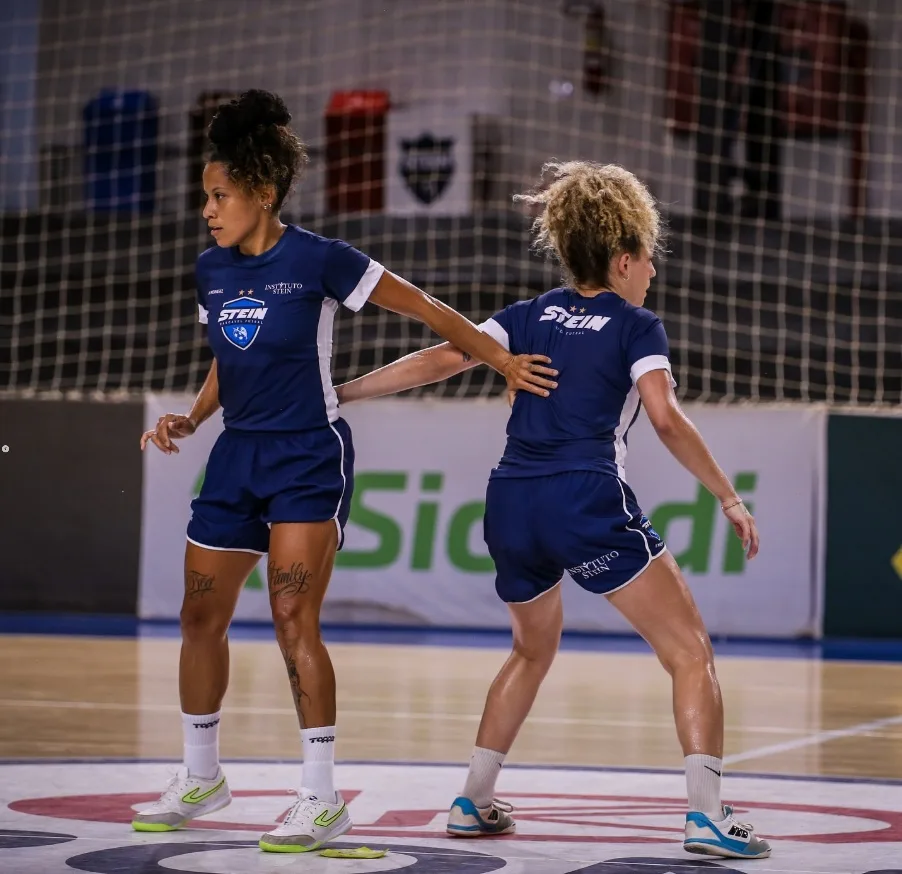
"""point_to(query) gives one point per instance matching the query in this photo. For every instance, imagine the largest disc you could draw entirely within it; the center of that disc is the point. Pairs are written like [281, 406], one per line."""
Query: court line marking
[812, 740]
[92, 761]
[510, 852]
[376, 714]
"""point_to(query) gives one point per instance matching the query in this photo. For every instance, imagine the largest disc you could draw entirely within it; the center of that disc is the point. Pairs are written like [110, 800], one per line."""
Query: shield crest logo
[240, 320]
[427, 165]
[645, 522]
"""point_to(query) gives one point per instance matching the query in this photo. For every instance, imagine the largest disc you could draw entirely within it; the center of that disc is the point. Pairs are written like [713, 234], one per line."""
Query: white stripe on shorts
[344, 485]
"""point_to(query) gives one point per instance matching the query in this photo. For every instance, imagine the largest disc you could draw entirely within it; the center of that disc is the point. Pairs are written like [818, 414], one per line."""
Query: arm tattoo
[288, 583]
[197, 584]
[295, 679]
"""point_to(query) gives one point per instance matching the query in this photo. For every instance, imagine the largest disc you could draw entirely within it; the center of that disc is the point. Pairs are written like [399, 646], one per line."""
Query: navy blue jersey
[269, 321]
[601, 346]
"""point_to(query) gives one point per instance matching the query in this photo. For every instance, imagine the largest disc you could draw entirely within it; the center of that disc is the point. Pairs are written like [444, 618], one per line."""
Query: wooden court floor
[63, 697]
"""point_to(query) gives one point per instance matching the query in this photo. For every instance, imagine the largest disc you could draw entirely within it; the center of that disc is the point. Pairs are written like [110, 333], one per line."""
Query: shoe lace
[503, 806]
[733, 819]
[305, 804]
[175, 786]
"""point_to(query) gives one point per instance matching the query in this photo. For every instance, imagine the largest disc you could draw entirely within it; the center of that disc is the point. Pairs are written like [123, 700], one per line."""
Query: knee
[199, 624]
[293, 621]
[693, 655]
[539, 651]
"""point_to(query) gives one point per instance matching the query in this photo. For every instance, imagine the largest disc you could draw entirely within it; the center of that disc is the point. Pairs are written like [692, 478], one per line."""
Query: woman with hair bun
[558, 500]
[279, 478]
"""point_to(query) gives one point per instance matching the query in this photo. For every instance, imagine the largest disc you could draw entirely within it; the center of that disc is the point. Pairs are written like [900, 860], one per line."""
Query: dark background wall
[70, 505]
[864, 527]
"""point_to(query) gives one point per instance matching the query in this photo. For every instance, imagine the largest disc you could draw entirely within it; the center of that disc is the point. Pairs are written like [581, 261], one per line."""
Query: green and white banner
[414, 552]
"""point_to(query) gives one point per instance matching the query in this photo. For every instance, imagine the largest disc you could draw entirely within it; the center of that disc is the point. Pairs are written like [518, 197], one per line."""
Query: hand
[526, 372]
[743, 524]
[170, 427]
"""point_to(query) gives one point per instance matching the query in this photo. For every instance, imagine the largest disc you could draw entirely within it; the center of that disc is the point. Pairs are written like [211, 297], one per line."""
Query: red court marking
[410, 823]
[118, 808]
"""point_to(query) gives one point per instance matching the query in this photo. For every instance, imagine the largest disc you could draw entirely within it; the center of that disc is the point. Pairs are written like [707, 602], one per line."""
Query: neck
[593, 292]
[262, 238]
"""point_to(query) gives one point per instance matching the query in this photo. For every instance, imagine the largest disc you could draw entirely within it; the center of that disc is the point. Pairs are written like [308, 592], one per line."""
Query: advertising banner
[414, 552]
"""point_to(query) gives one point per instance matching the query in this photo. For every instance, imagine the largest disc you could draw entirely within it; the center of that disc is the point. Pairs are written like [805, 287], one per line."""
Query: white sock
[703, 774]
[318, 772]
[201, 735]
[485, 766]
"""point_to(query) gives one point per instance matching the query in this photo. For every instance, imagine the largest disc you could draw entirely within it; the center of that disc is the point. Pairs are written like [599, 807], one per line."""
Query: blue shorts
[253, 480]
[585, 522]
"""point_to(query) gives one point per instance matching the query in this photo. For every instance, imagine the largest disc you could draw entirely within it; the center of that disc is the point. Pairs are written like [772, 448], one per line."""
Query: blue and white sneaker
[728, 838]
[466, 820]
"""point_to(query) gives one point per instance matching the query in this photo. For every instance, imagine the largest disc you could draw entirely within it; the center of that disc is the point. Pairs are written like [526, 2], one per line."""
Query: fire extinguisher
[596, 53]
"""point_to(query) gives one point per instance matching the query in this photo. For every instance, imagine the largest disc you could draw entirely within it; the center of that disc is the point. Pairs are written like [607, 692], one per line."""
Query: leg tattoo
[197, 584]
[288, 583]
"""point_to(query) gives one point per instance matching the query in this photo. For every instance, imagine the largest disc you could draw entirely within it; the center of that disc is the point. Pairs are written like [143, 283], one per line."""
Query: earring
[267, 206]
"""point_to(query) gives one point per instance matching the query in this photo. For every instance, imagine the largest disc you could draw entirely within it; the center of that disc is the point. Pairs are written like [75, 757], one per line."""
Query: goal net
[769, 131]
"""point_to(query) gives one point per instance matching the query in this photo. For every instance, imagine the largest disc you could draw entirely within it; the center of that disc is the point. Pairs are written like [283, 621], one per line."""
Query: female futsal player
[557, 500]
[280, 476]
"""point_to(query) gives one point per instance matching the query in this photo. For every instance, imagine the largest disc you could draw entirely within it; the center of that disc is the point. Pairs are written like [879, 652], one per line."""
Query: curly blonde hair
[590, 213]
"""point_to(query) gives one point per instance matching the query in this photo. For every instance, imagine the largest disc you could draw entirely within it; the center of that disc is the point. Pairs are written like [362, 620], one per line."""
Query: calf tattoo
[288, 583]
[197, 584]
[295, 679]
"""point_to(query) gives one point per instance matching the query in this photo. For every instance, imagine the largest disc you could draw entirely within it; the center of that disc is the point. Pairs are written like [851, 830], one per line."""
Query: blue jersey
[601, 346]
[269, 321]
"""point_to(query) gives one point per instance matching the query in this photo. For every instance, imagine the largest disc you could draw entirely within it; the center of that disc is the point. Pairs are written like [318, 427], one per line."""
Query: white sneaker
[466, 820]
[184, 799]
[727, 838]
[309, 824]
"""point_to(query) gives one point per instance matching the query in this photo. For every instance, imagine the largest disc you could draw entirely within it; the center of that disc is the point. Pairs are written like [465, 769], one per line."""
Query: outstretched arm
[419, 368]
[520, 371]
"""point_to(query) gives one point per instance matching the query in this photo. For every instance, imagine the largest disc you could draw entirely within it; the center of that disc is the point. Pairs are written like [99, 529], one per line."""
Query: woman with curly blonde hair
[558, 500]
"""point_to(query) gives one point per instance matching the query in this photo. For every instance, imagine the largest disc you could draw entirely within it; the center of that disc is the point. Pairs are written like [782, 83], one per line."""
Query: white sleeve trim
[361, 294]
[202, 314]
[650, 363]
[496, 332]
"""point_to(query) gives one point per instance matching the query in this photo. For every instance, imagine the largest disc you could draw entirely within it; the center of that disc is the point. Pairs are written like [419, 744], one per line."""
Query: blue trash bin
[121, 142]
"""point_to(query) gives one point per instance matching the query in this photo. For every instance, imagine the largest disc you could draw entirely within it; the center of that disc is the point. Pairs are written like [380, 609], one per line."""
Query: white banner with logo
[414, 552]
[429, 161]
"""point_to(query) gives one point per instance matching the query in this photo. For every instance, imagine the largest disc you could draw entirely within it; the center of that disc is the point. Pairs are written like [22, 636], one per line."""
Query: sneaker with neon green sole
[308, 825]
[184, 799]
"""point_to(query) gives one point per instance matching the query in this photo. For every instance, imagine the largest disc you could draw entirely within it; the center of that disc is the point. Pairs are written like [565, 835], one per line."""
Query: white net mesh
[768, 131]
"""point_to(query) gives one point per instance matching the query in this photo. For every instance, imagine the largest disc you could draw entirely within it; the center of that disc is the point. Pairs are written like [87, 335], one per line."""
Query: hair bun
[252, 110]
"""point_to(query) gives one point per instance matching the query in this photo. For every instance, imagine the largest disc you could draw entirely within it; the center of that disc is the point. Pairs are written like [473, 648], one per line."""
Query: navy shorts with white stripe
[584, 522]
[254, 480]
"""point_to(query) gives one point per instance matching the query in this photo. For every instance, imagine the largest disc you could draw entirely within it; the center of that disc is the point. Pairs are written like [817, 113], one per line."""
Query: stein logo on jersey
[569, 320]
[240, 320]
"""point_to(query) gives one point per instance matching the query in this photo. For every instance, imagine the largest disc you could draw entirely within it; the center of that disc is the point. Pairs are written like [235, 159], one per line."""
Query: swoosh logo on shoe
[325, 820]
[194, 797]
